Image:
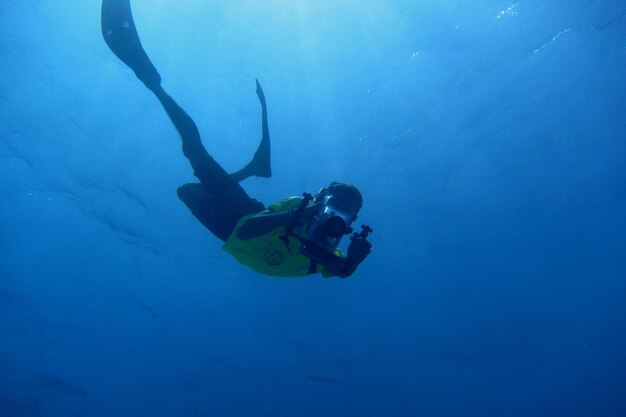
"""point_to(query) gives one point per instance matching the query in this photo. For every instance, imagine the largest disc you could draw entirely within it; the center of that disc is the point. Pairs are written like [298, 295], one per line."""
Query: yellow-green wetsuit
[269, 255]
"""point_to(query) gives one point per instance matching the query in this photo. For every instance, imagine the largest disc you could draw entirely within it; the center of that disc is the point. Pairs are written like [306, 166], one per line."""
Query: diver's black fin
[260, 166]
[120, 34]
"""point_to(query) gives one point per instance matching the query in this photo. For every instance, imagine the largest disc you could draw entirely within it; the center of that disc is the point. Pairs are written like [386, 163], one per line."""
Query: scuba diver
[294, 237]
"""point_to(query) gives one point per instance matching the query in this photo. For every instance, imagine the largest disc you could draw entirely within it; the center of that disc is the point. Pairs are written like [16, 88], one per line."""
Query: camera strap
[296, 220]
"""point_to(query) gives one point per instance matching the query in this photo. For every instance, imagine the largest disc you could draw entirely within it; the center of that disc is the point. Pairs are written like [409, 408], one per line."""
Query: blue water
[488, 139]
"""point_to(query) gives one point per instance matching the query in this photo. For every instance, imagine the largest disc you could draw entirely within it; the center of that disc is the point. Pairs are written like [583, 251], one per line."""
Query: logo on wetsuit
[273, 257]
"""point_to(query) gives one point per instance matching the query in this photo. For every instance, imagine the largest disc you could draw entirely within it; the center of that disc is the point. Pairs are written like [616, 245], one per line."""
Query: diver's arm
[341, 267]
[347, 268]
[358, 250]
[263, 223]
[266, 221]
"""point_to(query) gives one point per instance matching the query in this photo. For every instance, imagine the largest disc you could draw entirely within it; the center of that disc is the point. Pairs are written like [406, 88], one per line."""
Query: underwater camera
[328, 226]
[323, 231]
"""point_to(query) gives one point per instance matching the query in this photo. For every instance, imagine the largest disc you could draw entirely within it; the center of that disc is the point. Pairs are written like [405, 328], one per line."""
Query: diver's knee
[188, 190]
[182, 191]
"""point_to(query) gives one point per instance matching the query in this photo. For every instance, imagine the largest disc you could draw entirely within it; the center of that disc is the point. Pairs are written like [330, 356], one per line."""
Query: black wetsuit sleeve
[340, 266]
[263, 223]
[348, 267]
[358, 250]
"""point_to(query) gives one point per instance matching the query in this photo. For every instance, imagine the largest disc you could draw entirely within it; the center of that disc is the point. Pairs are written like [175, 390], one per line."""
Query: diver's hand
[358, 249]
[259, 93]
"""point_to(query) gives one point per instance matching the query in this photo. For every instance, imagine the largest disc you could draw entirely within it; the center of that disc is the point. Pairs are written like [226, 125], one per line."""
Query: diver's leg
[203, 164]
[203, 206]
[260, 165]
[208, 171]
[120, 34]
[219, 201]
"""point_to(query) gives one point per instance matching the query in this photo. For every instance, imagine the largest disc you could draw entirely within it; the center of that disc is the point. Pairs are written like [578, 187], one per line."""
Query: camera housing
[324, 232]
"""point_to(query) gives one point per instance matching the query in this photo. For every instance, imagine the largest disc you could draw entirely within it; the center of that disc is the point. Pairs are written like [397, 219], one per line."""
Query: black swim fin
[120, 34]
[260, 166]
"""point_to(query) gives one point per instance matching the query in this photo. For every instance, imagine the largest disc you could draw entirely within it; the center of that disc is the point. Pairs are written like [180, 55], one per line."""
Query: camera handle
[365, 231]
